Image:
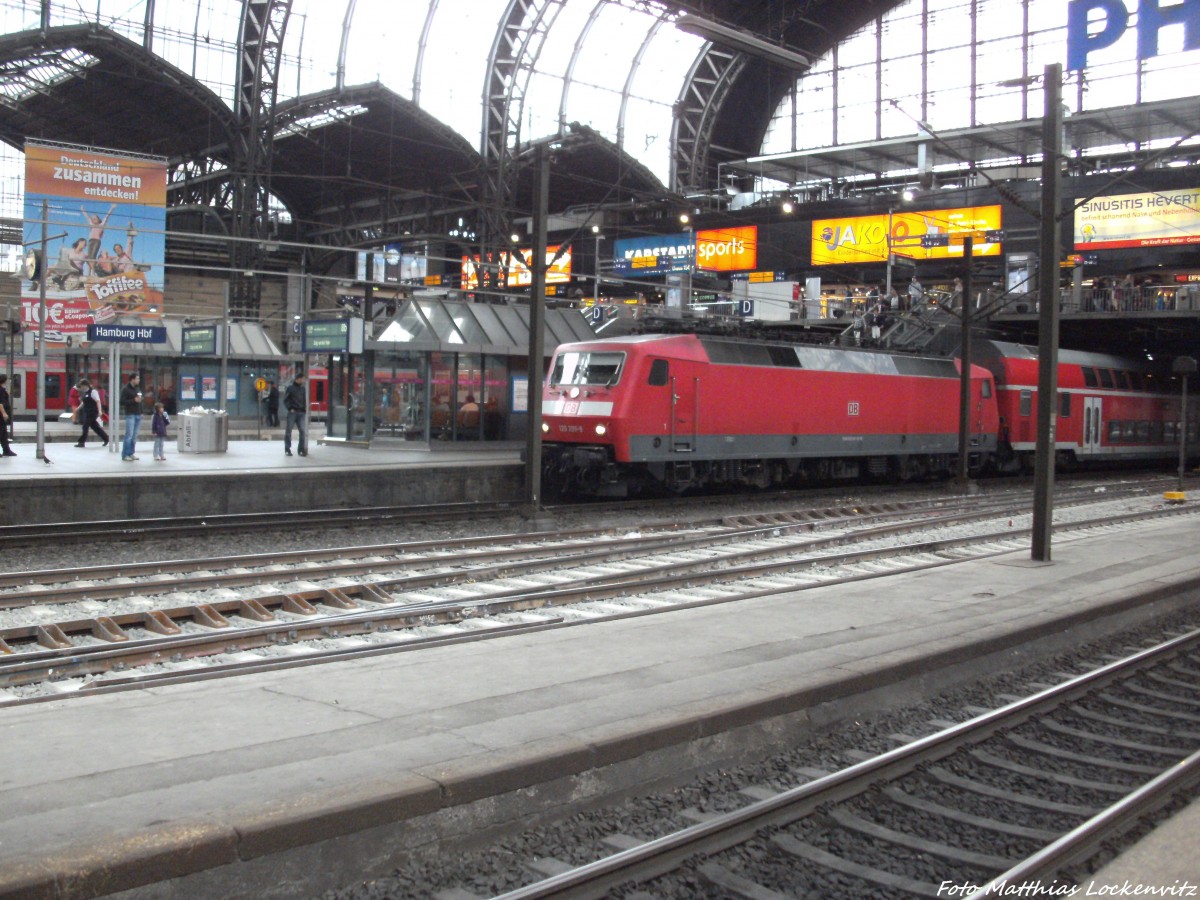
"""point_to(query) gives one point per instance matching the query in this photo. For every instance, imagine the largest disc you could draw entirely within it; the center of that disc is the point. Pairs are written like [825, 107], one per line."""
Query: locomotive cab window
[589, 367]
[659, 372]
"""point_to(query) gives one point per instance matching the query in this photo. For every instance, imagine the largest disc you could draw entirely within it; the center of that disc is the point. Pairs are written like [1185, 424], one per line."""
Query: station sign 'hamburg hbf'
[1152, 16]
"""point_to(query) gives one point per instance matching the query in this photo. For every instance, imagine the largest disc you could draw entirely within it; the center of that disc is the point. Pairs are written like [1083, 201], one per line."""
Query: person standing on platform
[89, 413]
[158, 428]
[5, 417]
[295, 401]
[273, 405]
[131, 409]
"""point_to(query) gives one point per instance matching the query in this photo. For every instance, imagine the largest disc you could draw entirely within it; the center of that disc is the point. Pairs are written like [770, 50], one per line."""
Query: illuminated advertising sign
[1112, 17]
[1162, 219]
[519, 274]
[727, 249]
[646, 256]
[915, 235]
[105, 242]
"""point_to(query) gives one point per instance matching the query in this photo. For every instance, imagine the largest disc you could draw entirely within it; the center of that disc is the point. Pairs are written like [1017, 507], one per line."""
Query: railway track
[128, 626]
[1015, 797]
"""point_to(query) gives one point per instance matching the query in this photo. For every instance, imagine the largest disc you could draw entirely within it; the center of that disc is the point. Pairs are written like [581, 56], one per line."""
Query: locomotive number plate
[852, 409]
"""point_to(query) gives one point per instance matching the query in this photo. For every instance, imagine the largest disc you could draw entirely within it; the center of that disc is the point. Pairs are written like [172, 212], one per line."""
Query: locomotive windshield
[595, 368]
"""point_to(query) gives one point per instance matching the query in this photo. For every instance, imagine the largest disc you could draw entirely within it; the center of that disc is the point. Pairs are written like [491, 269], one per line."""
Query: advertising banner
[1162, 219]
[656, 255]
[727, 249]
[105, 241]
[915, 235]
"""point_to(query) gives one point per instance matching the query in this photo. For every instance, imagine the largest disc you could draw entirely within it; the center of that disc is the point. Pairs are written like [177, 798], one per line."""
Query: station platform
[287, 783]
[252, 475]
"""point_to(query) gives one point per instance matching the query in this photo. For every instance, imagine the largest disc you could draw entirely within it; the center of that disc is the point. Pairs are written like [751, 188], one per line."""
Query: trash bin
[203, 431]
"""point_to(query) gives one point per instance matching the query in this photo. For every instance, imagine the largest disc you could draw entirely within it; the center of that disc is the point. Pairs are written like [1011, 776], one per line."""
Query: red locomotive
[694, 411]
[690, 410]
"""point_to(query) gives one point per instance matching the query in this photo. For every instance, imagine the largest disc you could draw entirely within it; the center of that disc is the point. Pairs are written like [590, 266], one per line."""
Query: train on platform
[689, 411]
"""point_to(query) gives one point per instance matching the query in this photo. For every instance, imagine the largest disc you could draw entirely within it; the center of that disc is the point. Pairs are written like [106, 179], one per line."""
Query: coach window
[1122, 379]
[1135, 380]
[1089, 377]
[1026, 402]
[1106, 379]
[659, 372]
[1064, 405]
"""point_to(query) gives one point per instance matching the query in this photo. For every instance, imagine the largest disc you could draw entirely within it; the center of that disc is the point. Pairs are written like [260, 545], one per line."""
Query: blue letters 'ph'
[1152, 16]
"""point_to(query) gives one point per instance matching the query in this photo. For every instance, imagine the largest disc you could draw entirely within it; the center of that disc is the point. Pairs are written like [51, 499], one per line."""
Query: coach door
[685, 399]
[1092, 424]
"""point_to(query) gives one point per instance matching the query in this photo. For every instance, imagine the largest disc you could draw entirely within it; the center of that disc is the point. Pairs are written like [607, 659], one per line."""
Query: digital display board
[1161, 219]
[200, 341]
[915, 235]
[331, 337]
[517, 265]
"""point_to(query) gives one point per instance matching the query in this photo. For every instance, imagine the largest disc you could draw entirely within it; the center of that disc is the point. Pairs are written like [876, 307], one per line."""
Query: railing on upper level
[1144, 299]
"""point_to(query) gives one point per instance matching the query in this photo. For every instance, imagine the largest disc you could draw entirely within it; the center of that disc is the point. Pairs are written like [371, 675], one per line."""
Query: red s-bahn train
[684, 411]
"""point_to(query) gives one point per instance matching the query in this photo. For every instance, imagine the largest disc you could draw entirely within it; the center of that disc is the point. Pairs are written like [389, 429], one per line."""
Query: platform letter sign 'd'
[1113, 21]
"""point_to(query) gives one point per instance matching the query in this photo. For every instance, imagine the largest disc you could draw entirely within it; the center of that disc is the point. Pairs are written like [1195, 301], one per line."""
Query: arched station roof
[86, 84]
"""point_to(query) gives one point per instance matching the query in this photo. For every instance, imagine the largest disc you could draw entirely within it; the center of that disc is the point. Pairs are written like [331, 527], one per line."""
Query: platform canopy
[454, 327]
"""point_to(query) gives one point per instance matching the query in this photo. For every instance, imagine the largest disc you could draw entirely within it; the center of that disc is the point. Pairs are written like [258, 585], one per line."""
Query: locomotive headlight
[545, 428]
[602, 430]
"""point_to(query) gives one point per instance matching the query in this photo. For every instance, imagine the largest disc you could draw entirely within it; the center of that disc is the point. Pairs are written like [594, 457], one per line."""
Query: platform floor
[247, 453]
[243, 787]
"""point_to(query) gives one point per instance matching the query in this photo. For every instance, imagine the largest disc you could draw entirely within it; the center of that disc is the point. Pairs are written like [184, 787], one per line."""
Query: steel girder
[519, 40]
[704, 90]
[260, 49]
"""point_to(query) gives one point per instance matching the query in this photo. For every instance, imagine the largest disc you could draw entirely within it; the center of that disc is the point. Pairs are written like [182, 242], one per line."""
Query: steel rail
[54, 635]
[69, 661]
[696, 534]
[662, 855]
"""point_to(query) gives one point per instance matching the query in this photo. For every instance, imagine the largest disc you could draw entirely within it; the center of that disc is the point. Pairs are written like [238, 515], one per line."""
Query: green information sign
[200, 341]
[333, 336]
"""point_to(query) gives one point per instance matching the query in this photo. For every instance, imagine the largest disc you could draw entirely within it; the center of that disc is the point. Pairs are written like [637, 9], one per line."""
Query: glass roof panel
[384, 42]
[455, 64]
[466, 323]
[443, 324]
[408, 326]
[491, 323]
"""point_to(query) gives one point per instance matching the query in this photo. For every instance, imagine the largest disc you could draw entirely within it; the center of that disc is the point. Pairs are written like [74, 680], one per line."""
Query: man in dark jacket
[295, 401]
[5, 416]
[131, 408]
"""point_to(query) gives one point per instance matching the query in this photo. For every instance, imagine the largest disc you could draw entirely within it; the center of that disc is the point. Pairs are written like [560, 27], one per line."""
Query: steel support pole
[1043, 486]
[537, 315]
[964, 377]
[40, 452]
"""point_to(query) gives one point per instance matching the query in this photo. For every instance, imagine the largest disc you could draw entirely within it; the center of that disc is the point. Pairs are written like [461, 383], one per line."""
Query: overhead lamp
[743, 41]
